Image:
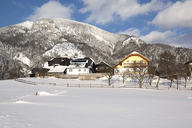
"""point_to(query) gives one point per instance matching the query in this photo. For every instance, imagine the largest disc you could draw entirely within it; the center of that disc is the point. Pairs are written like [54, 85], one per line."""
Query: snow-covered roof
[57, 69]
[77, 68]
[135, 52]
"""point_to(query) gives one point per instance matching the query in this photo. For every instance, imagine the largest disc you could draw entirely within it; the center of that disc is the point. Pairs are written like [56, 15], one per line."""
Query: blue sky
[155, 21]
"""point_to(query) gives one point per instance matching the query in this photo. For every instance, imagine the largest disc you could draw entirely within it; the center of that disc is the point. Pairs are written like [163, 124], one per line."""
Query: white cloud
[51, 9]
[184, 40]
[177, 15]
[105, 11]
[131, 31]
[158, 37]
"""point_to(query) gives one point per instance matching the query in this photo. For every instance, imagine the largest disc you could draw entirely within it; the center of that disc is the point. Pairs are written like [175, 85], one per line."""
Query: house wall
[75, 71]
[127, 64]
[134, 60]
[190, 68]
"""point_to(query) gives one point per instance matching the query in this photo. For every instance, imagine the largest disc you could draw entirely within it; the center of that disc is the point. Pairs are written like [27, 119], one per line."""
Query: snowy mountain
[30, 44]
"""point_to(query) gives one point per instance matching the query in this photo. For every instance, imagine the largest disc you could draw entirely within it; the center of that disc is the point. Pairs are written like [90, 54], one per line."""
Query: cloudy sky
[155, 21]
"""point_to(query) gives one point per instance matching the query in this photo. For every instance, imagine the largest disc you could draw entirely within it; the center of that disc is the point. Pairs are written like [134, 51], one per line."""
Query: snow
[43, 93]
[137, 41]
[46, 65]
[22, 102]
[91, 107]
[134, 52]
[27, 24]
[78, 29]
[100, 38]
[64, 50]
[21, 57]
[190, 98]
[59, 68]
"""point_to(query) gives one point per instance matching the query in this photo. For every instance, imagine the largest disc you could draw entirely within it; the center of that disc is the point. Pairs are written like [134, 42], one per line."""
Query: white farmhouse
[81, 66]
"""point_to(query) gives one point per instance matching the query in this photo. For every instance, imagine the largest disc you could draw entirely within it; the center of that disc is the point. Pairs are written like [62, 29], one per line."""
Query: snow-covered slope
[133, 39]
[22, 58]
[81, 31]
[65, 50]
[41, 106]
[26, 24]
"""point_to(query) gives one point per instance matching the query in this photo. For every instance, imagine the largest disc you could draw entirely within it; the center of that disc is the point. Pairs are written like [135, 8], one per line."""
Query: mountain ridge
[37, 42]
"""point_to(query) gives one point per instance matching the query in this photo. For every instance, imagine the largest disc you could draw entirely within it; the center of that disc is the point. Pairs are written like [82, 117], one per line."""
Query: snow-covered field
[46, 105]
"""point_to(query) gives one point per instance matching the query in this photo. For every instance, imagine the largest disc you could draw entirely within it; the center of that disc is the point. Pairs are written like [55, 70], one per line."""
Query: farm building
[81, 66]
[57, 65]
[133, 60]
[103, 67]
[189, 65]
[39, 72]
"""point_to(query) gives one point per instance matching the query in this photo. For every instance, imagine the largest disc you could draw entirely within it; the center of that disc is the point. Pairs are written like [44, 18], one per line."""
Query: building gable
[133, 58]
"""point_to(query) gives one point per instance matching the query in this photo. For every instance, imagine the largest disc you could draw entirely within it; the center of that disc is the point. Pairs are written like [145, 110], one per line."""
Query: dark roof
[90, 61]
[60, 61]
[83, 60]
[103, 64]
[103, 67]
[79, 60]
[39, 70]
[188, 62]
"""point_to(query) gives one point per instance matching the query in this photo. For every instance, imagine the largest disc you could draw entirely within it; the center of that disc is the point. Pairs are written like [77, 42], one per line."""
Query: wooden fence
[92, 85]
[79, 85]
[90, 76]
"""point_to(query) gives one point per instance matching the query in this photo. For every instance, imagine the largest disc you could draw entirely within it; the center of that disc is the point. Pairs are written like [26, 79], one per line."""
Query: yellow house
[189, 65]
[133, 60]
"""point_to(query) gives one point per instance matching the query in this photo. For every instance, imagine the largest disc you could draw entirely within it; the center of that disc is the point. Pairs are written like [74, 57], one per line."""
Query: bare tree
[151, 73]
[182, 71]
[167, 66]
[139, 73]
[109, 76]
[125, 75]
[157, 84]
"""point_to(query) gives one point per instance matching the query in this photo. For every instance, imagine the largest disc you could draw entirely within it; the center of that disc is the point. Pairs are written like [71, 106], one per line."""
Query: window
[126, 63]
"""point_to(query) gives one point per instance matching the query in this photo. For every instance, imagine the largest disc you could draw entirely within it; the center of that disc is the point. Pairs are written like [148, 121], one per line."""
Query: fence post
[67, 84]
[79, 85]
[90, 85]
